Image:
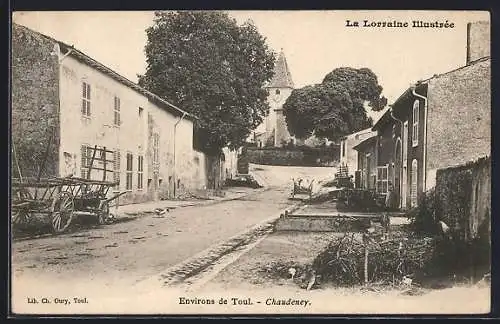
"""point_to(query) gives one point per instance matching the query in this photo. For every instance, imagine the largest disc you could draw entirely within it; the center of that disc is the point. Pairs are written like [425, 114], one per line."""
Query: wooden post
[91, 163]
[104, 153]
[366, 263]
[17, 162]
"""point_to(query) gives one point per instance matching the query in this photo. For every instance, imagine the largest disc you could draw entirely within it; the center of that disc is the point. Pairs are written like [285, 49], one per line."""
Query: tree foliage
[336, 106]
[210, 66]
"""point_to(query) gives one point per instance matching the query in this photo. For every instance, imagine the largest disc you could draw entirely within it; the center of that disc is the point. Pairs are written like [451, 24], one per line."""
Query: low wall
[319, 224]
[302, 156]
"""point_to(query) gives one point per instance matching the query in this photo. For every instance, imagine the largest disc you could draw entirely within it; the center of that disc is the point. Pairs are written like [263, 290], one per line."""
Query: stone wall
[35, 103]
[459, 118]
[463, 199]
[301, 156]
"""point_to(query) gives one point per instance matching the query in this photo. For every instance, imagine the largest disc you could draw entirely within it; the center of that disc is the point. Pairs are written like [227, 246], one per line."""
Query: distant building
[348, 155]
[273, 131]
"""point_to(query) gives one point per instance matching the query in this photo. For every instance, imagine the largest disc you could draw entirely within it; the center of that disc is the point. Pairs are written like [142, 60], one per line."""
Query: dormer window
[416, 115]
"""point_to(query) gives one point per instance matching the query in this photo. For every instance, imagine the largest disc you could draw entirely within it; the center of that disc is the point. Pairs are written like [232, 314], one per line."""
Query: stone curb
[204, 259]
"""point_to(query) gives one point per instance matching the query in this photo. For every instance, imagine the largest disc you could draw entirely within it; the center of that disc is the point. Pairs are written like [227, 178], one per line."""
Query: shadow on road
[39, 227]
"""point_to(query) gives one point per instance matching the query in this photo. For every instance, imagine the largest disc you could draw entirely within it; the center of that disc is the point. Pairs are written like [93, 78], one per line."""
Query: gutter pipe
[425, 136]
[175, 140]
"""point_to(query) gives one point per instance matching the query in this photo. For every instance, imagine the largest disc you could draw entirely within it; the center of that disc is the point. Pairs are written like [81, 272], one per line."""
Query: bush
[423, 217]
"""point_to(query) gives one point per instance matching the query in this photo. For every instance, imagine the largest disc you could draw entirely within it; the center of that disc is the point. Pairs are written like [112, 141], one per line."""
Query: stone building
[64, 103]
[441, 122]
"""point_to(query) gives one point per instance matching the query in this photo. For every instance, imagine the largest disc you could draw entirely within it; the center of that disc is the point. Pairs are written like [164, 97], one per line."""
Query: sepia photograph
[300, 162]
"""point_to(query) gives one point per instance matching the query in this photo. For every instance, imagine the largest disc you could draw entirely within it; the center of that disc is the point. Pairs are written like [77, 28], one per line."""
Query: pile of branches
[342, 262]
[389, 260]
[392, 260]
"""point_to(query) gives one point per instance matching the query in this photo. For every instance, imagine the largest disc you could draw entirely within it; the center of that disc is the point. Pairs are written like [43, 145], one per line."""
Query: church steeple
[282, 77]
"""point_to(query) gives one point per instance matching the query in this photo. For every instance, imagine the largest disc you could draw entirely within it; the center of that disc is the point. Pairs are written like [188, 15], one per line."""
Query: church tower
[280, 87]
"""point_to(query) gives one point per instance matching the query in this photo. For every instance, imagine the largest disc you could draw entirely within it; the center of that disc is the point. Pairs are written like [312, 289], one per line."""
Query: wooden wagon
[300, 187]
[63, 198]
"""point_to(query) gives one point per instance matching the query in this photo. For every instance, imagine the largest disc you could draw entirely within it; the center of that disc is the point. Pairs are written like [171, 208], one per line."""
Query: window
[140, 170]
[141, 111]
[128, 182]
[116, 110]
[343, 148]
[116, 167]
[414, 178]
[405, 140]
[416, 106]
[156, 147]
[86, 155]
[382, 179]
[277, 91]
[85, 99]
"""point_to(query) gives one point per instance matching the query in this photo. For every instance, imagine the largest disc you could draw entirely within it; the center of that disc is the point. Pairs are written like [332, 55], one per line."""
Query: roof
[365, 143]
[386, 116]
[363, 131]
[282, 77]
[84, 58]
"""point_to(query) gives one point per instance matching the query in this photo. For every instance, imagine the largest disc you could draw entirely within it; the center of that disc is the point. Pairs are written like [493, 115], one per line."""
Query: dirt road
[123, 253]
[111, 258]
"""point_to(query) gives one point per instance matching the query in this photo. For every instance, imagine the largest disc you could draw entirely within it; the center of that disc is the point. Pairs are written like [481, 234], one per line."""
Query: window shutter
[414, 181]
[84, 107]
[84, 156]
[116, 165]
[83, 162]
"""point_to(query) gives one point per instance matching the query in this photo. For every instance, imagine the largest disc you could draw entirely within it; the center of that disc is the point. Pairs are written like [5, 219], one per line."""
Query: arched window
[277, 91]
[416, 115]
[414, 181]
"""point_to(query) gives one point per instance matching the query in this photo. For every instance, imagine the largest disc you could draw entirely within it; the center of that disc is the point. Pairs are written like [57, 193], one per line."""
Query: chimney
[478, 41]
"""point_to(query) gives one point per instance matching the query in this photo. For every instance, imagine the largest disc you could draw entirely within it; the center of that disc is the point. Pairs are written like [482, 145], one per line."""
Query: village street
[221, 167]
[134, 248]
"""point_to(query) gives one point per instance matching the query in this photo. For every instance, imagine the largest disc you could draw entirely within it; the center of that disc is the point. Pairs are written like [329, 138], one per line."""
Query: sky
[314, 42]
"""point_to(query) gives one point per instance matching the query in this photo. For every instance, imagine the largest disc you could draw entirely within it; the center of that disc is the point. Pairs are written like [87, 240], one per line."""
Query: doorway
[397, 170]
[404, 182]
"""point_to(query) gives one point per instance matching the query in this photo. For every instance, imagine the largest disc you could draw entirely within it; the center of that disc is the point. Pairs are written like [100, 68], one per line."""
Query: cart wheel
[62, 211]
[103, 214]
[21, 216]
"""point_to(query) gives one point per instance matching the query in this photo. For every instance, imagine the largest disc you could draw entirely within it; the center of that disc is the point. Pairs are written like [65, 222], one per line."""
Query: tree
[335, 107]
[210, 66]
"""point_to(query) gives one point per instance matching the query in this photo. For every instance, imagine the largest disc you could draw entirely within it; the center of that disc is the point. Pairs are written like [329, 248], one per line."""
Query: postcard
[250, 162]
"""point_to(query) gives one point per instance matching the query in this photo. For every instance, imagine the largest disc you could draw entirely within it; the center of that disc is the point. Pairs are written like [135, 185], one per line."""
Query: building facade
[366, 175]
[348, 155]
[441, 122]
[64, 104]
